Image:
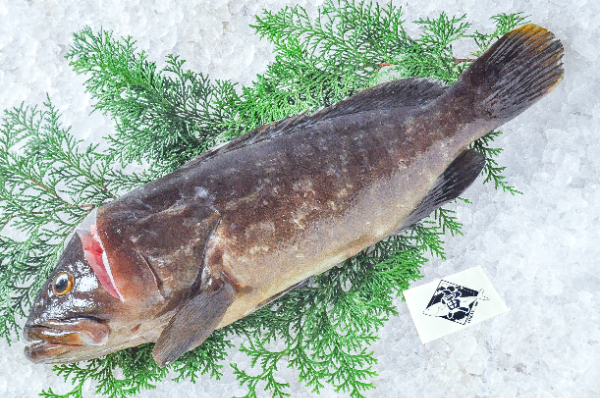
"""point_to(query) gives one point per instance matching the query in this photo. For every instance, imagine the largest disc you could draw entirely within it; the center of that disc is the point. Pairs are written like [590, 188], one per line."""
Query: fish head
[78, 316]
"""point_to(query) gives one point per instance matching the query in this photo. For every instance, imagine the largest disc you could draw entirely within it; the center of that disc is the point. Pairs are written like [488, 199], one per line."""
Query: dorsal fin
[454, 180]
[406, 93]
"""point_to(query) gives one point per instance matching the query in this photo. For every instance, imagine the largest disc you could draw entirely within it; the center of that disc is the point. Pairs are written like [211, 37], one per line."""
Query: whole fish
[236, 227]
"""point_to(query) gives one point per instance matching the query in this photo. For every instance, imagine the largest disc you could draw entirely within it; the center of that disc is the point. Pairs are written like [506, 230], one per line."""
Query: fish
[239, 225]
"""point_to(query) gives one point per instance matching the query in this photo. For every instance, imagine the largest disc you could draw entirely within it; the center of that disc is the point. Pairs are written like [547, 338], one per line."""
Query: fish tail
[518, 70]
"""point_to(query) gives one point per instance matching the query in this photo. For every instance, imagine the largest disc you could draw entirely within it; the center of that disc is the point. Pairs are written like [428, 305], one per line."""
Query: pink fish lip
[51, 340]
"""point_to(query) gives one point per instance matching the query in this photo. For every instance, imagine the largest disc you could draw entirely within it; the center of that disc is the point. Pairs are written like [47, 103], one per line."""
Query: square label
[453, 303]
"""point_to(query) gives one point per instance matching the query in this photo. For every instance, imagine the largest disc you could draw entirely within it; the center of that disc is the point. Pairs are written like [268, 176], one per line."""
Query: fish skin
[287, 201]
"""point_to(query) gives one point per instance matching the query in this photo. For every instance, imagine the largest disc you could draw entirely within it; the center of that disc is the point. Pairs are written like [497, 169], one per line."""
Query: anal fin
[194, 322]
[454, 180]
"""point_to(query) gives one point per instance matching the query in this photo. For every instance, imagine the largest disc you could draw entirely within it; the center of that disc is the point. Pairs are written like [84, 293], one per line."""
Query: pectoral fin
[194, 322]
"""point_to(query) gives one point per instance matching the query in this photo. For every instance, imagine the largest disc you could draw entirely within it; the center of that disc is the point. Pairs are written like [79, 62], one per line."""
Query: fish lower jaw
[43, 351]
[48, 345]
[62, 341]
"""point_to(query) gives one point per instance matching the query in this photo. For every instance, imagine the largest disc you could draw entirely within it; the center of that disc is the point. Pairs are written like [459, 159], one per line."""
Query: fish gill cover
[164, 117]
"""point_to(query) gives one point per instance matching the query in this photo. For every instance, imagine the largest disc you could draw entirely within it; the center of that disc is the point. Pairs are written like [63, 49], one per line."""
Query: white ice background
[541, 249]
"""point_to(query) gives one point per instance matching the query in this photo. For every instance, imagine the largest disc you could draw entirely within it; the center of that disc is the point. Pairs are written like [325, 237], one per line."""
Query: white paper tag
[453, 303]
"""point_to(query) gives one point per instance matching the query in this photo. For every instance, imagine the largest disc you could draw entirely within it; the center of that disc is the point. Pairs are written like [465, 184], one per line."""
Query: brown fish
[232, 229]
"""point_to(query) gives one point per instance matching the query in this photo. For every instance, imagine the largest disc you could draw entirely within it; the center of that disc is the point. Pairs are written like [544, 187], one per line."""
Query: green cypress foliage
[164, 117]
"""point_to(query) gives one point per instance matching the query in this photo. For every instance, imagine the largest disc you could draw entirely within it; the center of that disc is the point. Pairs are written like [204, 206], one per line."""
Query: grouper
[234, 228]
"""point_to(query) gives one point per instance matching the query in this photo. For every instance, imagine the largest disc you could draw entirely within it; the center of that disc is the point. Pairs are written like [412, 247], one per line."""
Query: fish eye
[62, 284]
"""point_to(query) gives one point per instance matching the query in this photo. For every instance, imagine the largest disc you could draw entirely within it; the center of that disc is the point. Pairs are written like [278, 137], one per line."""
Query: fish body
[234, 228]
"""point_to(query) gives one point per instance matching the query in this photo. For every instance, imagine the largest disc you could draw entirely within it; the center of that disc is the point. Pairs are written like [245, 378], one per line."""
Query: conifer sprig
[321, 62]
[127, 372]
[504, 24]
[165, 117]
[47, 186]
[491, 170]
[344, 37]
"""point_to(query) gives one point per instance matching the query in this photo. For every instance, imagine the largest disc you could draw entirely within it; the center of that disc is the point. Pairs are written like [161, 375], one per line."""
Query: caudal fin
[518, 70]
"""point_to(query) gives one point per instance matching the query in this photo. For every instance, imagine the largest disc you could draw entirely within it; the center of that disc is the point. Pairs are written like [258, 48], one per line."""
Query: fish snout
[51, 339]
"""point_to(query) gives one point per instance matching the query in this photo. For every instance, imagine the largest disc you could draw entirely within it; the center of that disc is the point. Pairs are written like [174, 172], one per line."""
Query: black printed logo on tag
[454, 302]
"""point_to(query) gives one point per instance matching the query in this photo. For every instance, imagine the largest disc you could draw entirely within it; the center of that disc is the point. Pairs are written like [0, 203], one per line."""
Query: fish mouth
[51, 341]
